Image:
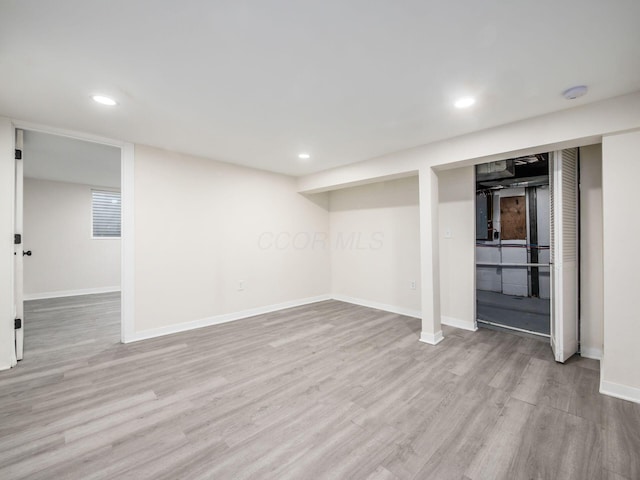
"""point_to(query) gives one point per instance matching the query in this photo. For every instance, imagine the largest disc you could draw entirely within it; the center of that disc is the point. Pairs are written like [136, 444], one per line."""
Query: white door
[564, 253]
[18, 244]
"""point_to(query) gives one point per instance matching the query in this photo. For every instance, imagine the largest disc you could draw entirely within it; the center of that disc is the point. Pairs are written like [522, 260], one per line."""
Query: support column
[429, 258]
[620, 372]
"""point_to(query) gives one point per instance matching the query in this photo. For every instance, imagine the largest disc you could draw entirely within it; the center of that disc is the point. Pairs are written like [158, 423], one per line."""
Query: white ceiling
[62, 159]
[256, 82]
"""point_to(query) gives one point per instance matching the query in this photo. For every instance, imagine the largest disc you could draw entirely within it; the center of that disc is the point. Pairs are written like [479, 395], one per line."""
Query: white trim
[617, 390]
[11, 337]
[431, 338]
[591, 352]
[18, 266]
[378, 306]
[459, 323]
[86, 137]
[70, 293]
[516, 329]
[224, 318]
[444, 320]
[128, 245]
[127, 327]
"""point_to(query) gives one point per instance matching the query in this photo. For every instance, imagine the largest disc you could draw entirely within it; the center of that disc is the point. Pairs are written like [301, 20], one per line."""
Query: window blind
[105, 206]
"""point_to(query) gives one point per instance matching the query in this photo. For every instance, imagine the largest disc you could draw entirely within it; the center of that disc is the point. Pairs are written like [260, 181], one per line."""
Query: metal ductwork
[495, 170]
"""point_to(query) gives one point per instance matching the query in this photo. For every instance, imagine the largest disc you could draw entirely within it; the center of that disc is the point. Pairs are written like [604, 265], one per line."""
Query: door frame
[127, 239]
[558, 149]
[481, 161]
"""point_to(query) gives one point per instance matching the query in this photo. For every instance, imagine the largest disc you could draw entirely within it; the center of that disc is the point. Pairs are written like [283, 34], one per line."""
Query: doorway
[69, 263]
[513, 241]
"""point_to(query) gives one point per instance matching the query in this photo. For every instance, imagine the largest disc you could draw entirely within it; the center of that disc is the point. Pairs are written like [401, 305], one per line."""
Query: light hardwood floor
[328, 390]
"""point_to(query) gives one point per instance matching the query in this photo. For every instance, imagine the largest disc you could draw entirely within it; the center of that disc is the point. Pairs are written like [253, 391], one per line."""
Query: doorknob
[27, 253]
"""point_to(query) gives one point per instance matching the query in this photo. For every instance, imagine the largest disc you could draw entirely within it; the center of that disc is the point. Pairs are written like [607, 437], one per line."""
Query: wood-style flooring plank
[327, 390]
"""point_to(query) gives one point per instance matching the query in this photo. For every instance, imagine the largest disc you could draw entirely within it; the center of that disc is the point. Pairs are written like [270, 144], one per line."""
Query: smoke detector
[575, 92]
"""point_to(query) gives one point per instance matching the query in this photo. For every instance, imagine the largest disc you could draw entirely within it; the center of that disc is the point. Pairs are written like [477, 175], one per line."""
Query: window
[105, 208]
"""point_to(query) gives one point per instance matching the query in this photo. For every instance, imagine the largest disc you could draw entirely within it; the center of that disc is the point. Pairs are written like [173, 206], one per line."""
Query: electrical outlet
[412, 285]
[240, 285]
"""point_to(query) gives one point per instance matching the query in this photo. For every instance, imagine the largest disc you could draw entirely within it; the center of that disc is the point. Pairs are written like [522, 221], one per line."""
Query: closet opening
[513, 242]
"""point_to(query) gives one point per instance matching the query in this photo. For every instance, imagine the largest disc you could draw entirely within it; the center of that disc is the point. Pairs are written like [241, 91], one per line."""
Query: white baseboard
[224, 318]
[430, 338]
[590, 352]
[378, 306]
[70, 293]
[623, 392]
[459, 323]
[450, 321]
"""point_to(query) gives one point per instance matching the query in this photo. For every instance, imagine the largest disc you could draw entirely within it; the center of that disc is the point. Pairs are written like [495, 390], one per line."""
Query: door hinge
[18, 323]
[17, 239]
[18, 154]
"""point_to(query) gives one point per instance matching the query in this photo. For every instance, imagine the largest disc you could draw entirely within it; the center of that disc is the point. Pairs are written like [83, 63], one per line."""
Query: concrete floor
[526, 313]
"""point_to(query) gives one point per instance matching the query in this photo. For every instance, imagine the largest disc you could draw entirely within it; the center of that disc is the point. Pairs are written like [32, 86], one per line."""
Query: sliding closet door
[564, 253]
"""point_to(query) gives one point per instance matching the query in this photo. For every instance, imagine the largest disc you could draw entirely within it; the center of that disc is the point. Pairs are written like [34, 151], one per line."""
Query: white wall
[57, 229]
[375, 240]
[380, 273]
[621, 262]
[457, 196]
[202, 226]
[7, 190]
[591, 287]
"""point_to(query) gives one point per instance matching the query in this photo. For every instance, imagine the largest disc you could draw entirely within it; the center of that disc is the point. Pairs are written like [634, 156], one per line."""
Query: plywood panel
[513, 219]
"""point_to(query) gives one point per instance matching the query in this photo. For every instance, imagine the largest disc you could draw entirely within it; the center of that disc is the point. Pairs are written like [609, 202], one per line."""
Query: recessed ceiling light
[101, 99]
[464, 102]
[304, 156]
[575, 92]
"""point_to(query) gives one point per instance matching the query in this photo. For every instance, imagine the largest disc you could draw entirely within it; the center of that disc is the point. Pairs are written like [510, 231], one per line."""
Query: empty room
[319, 240]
